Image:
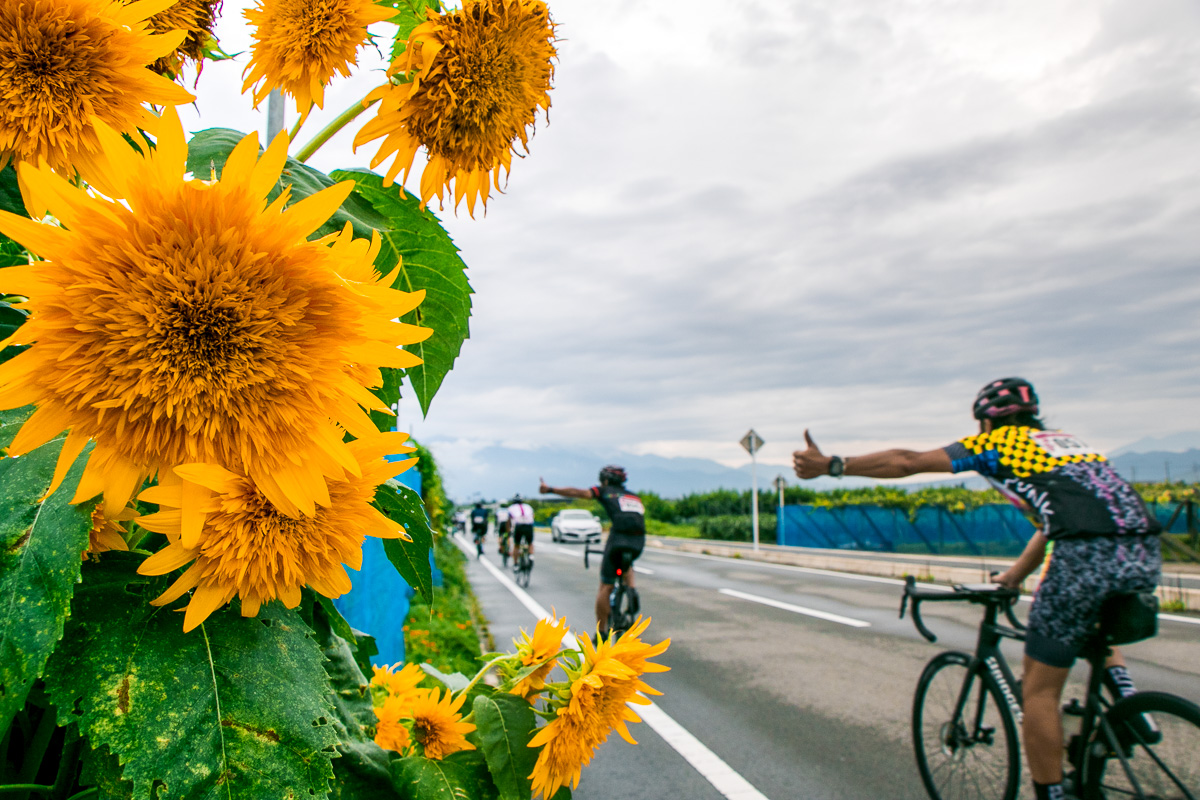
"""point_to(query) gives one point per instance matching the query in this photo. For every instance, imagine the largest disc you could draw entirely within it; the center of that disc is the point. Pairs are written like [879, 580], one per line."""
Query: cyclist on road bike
[627, 536]
[520, 515]
[479, 522]
[1105, 542]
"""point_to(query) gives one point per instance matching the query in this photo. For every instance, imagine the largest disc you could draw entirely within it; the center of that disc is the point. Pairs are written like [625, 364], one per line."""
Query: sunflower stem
[479, 675]
[296, 128]
[329, 130]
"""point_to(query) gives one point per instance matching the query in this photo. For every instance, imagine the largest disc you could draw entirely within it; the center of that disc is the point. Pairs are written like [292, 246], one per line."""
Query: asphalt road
[797, 705]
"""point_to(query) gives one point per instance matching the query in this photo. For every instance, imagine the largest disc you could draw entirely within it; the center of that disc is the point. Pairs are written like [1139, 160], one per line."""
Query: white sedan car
[575, 525]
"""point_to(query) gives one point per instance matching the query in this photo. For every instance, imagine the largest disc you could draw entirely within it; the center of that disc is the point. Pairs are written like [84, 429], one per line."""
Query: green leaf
[505, 723]
[455, 681]
[209, 148]
[11, 253]
[238, 708]
[11, 318]
[10, 192]
[361, 772]
[409, 14]
[426, 779]
[476, 766]
[41, 544]
[411, 559]
[428, 260]
[11, 421]
[389, 393]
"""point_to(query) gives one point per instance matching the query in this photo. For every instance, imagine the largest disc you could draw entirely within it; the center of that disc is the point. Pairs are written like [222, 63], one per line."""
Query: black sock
[1119, 681]
[1049, 791]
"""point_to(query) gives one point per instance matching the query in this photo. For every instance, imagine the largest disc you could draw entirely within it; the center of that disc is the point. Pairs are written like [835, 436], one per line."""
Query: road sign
[752, 442]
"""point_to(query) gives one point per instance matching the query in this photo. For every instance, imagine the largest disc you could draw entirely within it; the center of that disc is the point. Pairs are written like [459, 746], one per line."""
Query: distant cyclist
[503, 530]
[628, 531]
[520, 516]
[1105, 543]
[479, 524]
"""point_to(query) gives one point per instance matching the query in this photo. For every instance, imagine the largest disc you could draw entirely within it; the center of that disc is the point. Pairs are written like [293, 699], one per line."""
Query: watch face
[836, 466]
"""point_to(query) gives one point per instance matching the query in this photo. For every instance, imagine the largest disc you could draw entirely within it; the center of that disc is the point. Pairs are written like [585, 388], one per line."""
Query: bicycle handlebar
[586, 551]
[987, 594]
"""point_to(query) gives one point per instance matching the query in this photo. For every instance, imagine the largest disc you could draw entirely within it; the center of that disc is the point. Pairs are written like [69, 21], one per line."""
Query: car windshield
[576, 513]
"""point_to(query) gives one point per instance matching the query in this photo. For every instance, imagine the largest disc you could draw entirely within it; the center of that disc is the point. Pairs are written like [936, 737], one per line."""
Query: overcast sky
[840, 214]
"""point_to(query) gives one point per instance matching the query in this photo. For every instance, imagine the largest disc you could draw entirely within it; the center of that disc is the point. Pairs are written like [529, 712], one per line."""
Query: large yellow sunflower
[197, 18]
[196, 323]
[540, 650]
[607, 681]
[249, 549]
[299, 45]
[66, 65]
[437, 724]
[478, 76]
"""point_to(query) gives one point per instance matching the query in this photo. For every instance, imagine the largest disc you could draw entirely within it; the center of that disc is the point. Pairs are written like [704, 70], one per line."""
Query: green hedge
[444, 633]
[737, 527]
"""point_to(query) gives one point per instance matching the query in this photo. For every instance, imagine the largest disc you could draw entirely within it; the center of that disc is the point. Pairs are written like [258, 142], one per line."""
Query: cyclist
[627, 535]
[502, 530]
[479, 524]
[1105, 543]
[520, 515]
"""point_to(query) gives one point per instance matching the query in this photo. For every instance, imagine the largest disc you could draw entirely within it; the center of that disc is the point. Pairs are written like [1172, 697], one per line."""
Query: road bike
[967, 708]
[522, 564]
[504, 546]
[479, 537]
[623, 601]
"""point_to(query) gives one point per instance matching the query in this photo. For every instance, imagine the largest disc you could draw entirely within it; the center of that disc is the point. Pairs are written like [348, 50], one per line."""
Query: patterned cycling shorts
[1082, 574]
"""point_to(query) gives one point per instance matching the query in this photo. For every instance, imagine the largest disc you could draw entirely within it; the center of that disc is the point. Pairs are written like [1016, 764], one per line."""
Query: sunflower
[248, 548]
[66, 65]
[601, 690]
[538, 650]
[197, 18]
[390, 732]
[437, 725]
[299, 45]
[196, 323]
[106, 533]
[398, 683]
[478, 76]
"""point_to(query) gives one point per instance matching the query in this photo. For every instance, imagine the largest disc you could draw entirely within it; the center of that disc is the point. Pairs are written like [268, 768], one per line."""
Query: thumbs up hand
[810, 463]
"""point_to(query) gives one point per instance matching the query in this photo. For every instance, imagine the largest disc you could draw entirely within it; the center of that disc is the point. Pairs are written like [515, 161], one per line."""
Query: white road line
[643, 570]
[722, 776]
[1177, 618]
[569, 552]
[850, 576]
[705, 761]
[808, 612]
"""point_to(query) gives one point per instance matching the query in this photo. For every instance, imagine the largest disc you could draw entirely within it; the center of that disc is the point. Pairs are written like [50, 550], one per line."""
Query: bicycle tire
[955, 762]
[1165, 770]
[623, 607]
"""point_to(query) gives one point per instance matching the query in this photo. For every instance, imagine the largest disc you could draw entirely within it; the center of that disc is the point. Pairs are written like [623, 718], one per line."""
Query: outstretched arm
[565, 491]
[812, 463]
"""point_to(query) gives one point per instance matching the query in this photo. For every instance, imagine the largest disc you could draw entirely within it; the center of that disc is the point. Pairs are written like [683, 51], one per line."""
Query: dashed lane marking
[808, 612]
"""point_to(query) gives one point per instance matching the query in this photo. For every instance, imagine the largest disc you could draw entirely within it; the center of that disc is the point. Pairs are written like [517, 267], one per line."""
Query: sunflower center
[314, 29]
[200, 338]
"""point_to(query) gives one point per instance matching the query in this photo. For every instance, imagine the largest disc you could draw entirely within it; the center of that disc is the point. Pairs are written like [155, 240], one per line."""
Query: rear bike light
[618, 572]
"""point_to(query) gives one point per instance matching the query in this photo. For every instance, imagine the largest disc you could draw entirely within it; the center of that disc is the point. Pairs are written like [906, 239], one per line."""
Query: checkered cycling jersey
[1069, 488]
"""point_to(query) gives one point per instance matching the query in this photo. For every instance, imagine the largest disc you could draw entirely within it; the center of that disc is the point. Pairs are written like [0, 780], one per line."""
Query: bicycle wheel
[526, 568]
[1168, 769]
[623, 604]
[968, 751]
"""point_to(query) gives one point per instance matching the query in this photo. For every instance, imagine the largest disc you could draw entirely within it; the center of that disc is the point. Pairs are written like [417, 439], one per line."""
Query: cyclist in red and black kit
[1105, 542]
[628, 533]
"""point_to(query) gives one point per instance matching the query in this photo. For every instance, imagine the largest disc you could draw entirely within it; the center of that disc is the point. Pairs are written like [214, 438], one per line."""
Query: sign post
[780, 484]
[753, 443]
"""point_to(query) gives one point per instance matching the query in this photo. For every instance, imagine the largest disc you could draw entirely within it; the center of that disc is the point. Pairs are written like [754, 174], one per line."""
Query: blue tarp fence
[992, 530]
[379, 601]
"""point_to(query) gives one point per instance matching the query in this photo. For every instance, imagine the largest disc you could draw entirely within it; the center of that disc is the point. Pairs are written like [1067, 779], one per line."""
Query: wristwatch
[837, 467]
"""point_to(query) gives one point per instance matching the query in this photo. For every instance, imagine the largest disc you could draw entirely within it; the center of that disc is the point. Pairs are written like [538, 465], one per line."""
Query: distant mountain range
[497, 473]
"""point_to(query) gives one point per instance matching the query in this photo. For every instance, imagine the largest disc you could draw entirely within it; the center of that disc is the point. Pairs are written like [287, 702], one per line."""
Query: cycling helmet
[1005, 397]
[613, 475]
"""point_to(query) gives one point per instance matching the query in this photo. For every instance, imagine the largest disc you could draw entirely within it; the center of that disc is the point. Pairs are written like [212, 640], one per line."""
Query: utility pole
[274, 114]
[780, 483]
